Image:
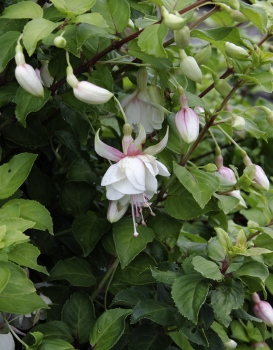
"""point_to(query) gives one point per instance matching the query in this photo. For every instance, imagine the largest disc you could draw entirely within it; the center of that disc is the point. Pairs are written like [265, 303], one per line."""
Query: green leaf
[7, 43]
[208, 269]
[151, 39]
[227, 203]
[253, 269]
[168, 276]
[75, 270]
[80, 170]
[195, 290]
[131, 296]
[21, 303]
[55, 329]
[180, 204]
[79, 315]
[227, 297]
[117, 17]
[93, 18]
[263, 79]
[33, 211]
[256, 14]
[14, 173]
[35, 30]
[24, 9]
[180, 339]
[86, 31]
[26, 254]
[27, 103]
[108, 328]
[88, 229]
[200, 184]
[71, 7]
[147, 337]
[127, 245]
[4, 277]
[56, 344]
[7, 92]
[155, 311]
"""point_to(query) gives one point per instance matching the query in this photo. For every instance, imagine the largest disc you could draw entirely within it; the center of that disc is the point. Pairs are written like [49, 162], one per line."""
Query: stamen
[134, 218]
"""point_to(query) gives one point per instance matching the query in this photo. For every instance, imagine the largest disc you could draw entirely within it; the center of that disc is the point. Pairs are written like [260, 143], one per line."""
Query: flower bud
[142, 78]
[85, 91]
[60, 42]
[182, 37]
[187, 122]
[263, 310]
[237, 194]
[127, 137]
[116, 211]
[238, 16]
[260, 180]
[238, 123]
[189, 67]
[268, 114]
[234, 51]
[203, 55]
[210, 168]
[222, 87]
[231, 344]
[260, 345]
[47, 79]
[173, 22]
[227, 174]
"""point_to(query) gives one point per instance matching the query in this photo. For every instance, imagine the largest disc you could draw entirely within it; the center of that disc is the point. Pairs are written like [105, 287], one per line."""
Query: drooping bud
[189, 67]
[222, 86]
[260, 345]
[238, 16]
[203, 55]
[210, 168]
[142, 78]
[173, 22]
[60, 42]
[227, 174]
[85, 91]
[187, 121]
[25, 74]
[237, 194]
[268, 114]
[182, 37]
[238, 123]
[47, 79]
[260, 180]
[231, 344]
[263, 310]
[234, 51]
[116, 211]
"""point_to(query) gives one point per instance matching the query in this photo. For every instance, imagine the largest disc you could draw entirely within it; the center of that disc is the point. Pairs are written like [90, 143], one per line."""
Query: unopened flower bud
[237, 194]
[268, 114]
[227, 174]
[234, 51]
[263, 310]
[189, 67]
[235, 4]
[222, 86]
[238, 123]
[116, 211]
[260, 180]
[85, 91]
[238, 16]
[47, 79]
[173, 22]
[127, 137]
[182, 37]
[187, 122]
[60, 42]
[25, 74]
[203, 55]
[142, 78]
[260, 345]
[210, 168]
[231, 344]
[155, 94]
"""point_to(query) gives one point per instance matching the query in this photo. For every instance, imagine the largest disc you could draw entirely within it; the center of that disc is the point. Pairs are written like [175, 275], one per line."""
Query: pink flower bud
[187, 122]
[227, 174]
[260, 345]
[263, 310]
[260, 180]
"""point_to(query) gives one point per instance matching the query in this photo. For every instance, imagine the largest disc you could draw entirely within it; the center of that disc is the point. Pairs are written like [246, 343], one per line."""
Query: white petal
[112, 194]
[162, 170]
[127, 99]
[113, 174]
[135, 172]
[152, 150]
[151, 182]
[106, 151]
[7, 342]
[125, 187]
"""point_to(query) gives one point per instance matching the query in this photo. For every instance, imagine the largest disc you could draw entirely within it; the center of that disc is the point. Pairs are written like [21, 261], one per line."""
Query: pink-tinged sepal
[152, 150]
[135, 148]
[106, 151]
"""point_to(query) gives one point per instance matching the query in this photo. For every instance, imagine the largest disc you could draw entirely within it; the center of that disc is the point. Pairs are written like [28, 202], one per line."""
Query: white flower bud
[116, 211]
[222, 86]
[25, 74]
[238, 16]
[263, 310]
[85, 91]
[189, 67]
[231, 344]
[238, 123]
[234, 51]
[203, 55]
[260, 180]
[173, 22]
[60, 42]
[182, 37]
[47, 79]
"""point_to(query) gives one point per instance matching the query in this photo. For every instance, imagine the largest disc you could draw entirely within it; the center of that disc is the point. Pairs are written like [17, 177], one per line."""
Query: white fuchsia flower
[263, 310]
[143, 106]
[26, 75]
[132, 179]
[86, 91]
[187, 121]
[7, 342]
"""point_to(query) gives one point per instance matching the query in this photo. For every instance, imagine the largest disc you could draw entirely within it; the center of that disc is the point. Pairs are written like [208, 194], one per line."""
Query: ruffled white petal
[113, 174]
[112, 194]
[135, 171]
[162, 170]
[125, 187]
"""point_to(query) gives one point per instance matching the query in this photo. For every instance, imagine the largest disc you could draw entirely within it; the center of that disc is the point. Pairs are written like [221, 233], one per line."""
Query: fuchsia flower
[263, 310]
[132, 179]
[260, 180]
[187, 121]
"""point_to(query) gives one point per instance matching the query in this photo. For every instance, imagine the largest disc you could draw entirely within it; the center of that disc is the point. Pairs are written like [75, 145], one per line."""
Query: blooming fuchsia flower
[132, 179]
[260, 180]
[263, 310]
[187, 121]
[142, 107]
[85, 91]
[25, 74]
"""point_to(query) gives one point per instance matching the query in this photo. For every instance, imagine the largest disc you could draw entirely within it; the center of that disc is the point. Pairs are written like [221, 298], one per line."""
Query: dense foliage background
[69, 279]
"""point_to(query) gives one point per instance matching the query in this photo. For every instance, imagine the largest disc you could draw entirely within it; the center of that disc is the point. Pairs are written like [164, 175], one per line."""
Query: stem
[253, 235]
[230, 138]
[13, 333]
[108, 285]
[121, 109]
[108, 275]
